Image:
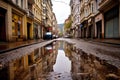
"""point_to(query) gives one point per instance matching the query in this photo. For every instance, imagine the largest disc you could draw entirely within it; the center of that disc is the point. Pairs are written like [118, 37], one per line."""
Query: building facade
[47, 15]
[13, 20]
[30, 19]
[110, 11]
[37, 10]
[25, 19]
[98, 18]
[88, 10]
[55, 25]
[75, 12]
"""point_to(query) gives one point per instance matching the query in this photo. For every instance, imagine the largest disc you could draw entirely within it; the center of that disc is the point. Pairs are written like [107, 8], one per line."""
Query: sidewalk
[7, 46]
[106, 41]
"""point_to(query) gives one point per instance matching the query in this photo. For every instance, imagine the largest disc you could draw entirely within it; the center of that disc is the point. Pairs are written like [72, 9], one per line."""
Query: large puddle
[57, 61]
[63, 64]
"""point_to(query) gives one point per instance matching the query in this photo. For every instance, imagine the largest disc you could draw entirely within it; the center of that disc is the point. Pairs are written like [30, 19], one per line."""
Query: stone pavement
[7, 46]
[107, 52]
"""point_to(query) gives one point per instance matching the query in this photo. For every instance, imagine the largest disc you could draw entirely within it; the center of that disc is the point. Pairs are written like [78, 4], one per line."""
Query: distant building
[55, 25]
[75, 15]
[61, 29]
[68, 26]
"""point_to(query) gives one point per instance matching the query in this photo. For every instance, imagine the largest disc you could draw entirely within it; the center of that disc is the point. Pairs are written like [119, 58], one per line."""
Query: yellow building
[30, 19]
[47, 16]
[13, 20]
[16, 20]
[37, 10]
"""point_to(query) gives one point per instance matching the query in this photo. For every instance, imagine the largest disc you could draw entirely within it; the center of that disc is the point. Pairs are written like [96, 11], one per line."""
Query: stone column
[24, 29]
[103, 27]
[9, 23]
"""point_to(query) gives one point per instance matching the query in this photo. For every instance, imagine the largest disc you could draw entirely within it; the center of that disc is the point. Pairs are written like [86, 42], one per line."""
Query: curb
[115, 44]
[24, 45]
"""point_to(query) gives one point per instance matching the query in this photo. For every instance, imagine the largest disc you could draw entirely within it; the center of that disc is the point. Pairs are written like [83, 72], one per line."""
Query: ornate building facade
[75, 12]
[37, 10]
[13, 17]
[98, 18]
[24, 19]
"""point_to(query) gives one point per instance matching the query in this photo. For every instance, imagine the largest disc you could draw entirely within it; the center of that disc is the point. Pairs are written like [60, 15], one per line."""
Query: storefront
[90, 28]
[112, 23]
[35, 31]
[29, 28]
[84, 29]
[16, 26]
[98, 26]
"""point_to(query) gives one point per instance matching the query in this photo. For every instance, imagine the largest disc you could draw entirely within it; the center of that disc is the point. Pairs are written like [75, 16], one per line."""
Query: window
[92, 8]
[22, 3]
[17, 2]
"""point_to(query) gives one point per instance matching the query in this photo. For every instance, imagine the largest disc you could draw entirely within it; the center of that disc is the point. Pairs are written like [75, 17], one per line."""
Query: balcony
[30, 14]
[105, 5]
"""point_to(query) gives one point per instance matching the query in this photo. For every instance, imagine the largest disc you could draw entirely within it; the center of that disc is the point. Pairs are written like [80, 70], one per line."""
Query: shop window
[16, 25]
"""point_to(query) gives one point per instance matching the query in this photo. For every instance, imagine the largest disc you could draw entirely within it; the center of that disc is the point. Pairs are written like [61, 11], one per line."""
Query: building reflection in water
[89, 67]
[30, 66]
[43, 63]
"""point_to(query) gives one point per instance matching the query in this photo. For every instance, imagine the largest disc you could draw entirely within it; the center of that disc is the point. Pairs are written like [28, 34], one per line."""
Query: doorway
[2, 25]
[99, 29]
[90, 30]
[28, 30]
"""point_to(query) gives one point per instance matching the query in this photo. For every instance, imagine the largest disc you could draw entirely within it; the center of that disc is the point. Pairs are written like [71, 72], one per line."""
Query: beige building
[110, 22]
[75, 16]
[13, 20]
[88, 10]
[30, 19]
[17, 20]
[37, 10]
[55, 25]
[25, 19]
[49, 15]
[99, 19]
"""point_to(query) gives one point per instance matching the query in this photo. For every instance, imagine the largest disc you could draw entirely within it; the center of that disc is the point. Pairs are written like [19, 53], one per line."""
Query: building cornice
[15, 6]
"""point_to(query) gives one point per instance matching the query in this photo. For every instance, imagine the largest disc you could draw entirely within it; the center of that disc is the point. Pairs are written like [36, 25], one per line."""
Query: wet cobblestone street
[63, 59]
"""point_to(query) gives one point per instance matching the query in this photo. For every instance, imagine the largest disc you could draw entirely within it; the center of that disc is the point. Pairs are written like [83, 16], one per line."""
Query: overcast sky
[61, 9]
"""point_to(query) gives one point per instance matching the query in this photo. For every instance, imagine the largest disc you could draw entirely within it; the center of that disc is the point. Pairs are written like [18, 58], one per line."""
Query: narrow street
[62, 59]
[59, 39]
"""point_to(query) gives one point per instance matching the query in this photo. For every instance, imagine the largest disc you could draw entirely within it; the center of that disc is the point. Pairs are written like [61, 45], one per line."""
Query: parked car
[48, 36]
[67, 36]
[55, 36]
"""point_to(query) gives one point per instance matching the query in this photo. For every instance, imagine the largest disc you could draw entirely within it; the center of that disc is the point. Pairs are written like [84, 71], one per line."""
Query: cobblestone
[106, 52]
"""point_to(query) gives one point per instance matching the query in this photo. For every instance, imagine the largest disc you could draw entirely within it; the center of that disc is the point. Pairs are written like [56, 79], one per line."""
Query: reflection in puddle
[57, 61]
[63, 64]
